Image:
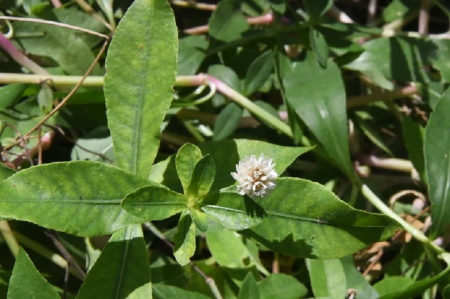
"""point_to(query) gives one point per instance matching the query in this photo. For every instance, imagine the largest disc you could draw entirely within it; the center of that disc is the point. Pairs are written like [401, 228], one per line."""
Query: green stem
[250, 106]
[417, 234]
[9, 238]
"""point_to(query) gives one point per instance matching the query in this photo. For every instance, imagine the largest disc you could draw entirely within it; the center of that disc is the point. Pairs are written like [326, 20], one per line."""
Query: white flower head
[255, 176]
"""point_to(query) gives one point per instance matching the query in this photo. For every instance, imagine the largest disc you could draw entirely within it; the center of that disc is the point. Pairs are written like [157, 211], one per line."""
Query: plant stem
[417, 234]
[19, 57]
[9, 238]
[250, 106]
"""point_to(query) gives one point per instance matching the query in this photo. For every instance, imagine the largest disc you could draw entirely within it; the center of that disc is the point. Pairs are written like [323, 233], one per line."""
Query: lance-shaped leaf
[233, 211]
[322, 107]
[121, 268]
[154, 203]
[141, 68]
[27, 282]
[437, 165]
[304, 219]
[184, 239]
[202, 178]
[81, 198]
[186, 159]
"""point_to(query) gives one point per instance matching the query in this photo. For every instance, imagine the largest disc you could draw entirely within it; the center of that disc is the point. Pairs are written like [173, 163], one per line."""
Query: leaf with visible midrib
[141, 68]
[304, 219]
[121, 268]
[81, 198]
[321, 106]
[437, 164]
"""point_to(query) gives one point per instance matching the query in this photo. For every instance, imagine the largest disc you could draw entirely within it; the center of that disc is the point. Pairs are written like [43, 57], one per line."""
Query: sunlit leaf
[137, 96]
[81, 198]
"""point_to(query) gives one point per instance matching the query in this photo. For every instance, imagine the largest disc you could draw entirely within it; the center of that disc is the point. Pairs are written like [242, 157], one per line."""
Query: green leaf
[332, 278]
[437, 165]
[418, 287]
[233, 211]
[187, 157]
[45, 98]
[226, 75]
[202, 178]
[226, 248]
[317, 8]
[27, 282]
[227, 121]
[191, 53]
[281, 285]
[393, 284]
[5, 172]
[137, 105]
[227, 22]
[200, 219]
[371, 133]
[321, 107]
[327, 278]
[184, 240]
[142, 292]
[161, 291]
[62, 45]
[81, 198]
[121, 268]
[319, 45]
[10, 94]
[397, 58]
[228, 153]
[413, 134]
[249, 288]
[258, 72]
[304, 219]
[154, 203]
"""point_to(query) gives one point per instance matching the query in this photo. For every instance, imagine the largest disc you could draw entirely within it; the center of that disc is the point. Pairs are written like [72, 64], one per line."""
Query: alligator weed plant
[239, 149]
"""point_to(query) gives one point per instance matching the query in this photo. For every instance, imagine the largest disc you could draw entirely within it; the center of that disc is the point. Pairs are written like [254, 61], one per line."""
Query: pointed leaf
[81, 198]
[258, 72]
[154, 203]
[304, 219]
[319, 46]
[27, 282]
[233, 211]
[137, 96]
[121, 268]
[437, 165]
[249, 288]
[202, 178]
[187, 157]
[321, 107]
[184, 240]
[227, 121]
